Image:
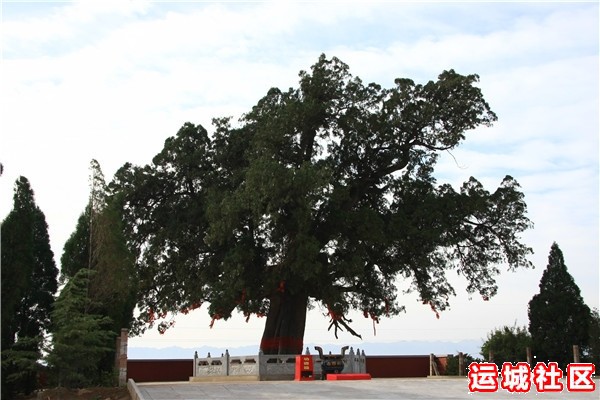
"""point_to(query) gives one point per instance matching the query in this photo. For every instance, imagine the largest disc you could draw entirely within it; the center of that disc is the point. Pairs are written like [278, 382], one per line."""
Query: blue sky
[112, 80]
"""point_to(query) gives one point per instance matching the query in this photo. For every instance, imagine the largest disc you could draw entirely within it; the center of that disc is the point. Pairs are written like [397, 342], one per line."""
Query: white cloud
[60, 28]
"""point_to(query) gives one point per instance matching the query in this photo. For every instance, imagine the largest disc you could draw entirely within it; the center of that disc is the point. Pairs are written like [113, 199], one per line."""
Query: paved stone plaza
[393, 388]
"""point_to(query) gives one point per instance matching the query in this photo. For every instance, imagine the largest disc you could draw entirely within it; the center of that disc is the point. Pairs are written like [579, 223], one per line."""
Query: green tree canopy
[81, 339]
[558, 316]
[29, 281]
[592, 350]
[98, 244]
[508, 344]
[321, 194]
[113, 288]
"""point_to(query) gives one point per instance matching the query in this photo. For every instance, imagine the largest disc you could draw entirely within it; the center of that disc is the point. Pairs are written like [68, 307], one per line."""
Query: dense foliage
[452, 364]
[81, 339]
[592, 350]
[507, 344]
[558, 316]
[29, 281]
[322, 194]
[96, 245]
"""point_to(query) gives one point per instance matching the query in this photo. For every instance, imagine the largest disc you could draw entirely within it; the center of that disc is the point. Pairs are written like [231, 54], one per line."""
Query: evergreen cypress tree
[324, 194]
[17, 257]
[81, 339]
[76, 249]
[558, 316]
[98, 244]
[29, 282]
[113, 288]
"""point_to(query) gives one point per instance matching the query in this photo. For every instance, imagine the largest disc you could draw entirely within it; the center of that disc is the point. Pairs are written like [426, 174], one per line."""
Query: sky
[111, 80]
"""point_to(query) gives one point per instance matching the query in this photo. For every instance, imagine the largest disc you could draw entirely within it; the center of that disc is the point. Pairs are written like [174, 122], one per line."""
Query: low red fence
[401, 366]
[377, 366]
[159, 370]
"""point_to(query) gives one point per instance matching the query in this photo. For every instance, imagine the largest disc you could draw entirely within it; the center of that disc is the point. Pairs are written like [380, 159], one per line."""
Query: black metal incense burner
[331, 363]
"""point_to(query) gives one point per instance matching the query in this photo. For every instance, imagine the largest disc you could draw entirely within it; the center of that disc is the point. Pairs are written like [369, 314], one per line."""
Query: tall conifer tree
[81, 338]
[29, 282]
[98, 245]
[558, 316]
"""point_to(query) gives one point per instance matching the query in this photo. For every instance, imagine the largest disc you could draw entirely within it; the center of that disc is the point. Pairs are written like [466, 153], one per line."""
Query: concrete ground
[393, 388]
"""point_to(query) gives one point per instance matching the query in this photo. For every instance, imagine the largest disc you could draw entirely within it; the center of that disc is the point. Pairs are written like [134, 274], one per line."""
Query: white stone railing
[211, 366]
[245, 365]
[355, 363]
[277, 367]
[268, 366]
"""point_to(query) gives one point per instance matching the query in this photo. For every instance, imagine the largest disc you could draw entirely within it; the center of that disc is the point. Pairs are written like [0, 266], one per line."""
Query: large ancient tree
[325, 194]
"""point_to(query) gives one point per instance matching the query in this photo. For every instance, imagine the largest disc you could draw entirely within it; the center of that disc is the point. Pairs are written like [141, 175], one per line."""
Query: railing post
[195, 371]
[461, 363]
[431, 361]
[123, 358]
[226, 362]
[364, 358]
[117, 353]
[262, 368]
[529, 356]
[576, 355]
[350, 363]
[363, 362]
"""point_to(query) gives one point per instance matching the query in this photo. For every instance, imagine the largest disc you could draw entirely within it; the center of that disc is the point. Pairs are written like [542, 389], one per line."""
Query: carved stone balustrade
[264, 367]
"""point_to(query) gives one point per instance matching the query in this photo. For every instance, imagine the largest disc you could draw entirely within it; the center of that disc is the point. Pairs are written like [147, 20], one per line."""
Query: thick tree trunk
[284, 329]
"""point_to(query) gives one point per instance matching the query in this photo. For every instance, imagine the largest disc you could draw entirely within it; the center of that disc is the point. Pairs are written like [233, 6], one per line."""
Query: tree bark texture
[284, 328]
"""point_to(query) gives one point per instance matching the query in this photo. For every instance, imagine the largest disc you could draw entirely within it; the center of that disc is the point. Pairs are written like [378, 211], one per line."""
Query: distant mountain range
[415, 347]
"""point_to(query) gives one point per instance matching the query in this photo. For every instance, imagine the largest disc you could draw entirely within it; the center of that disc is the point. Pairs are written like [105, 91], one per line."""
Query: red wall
[398, 366]
[159, 370]
[377, 366]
